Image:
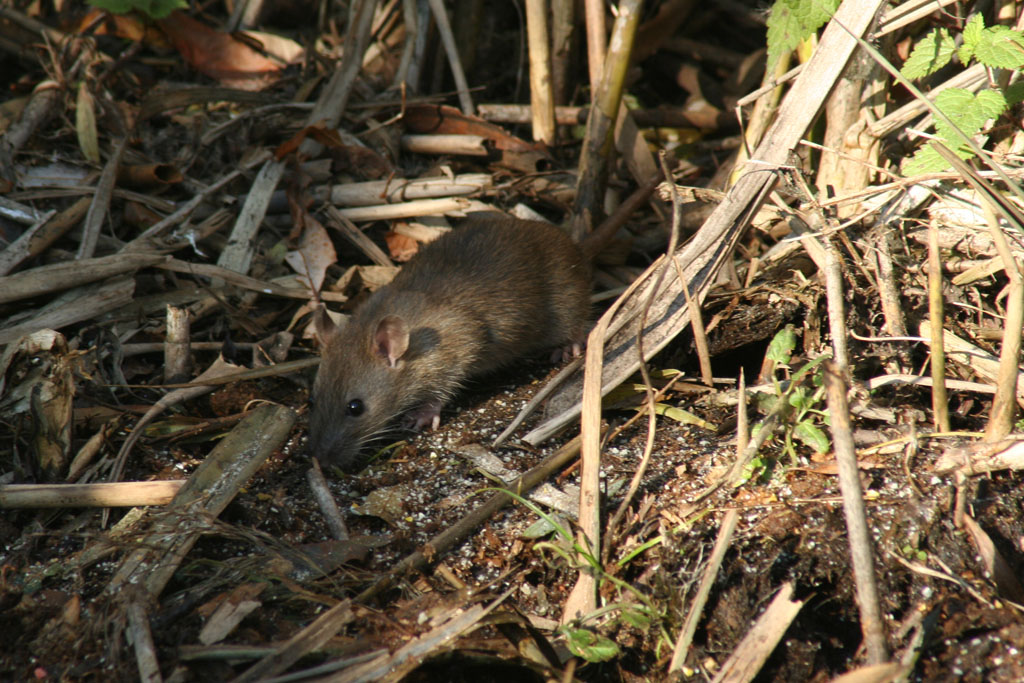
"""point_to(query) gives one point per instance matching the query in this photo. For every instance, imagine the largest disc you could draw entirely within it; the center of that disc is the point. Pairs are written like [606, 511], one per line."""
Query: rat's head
[356, 392]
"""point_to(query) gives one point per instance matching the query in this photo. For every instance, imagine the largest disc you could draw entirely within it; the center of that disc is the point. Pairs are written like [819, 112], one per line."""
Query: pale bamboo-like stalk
[541, 98]
[596, 32]
[1004, 405]
[597, 145]
[940, 401]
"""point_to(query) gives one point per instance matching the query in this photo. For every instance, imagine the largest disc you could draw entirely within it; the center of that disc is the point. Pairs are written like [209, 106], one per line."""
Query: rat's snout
[332, 449]
[329, 438]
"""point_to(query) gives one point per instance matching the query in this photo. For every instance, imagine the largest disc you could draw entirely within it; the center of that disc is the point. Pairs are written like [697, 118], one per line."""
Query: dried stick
[100, 202]
[142, 640]
[836, 309]
[208, 491]
[177, 352]
[597, 143]
[42, 105]
[563, 29]
[324, 499]
[722, 541]
[542, 101]
[38, 238]
[597, 37]
[409, 19]
[340, 222]
[122, 494]
[142, 242]
[1004, 406]
[940, 402]
[444, 27]
[69, 274]
[652, 413]
[887, 290]
[856, 520]
[308, 639]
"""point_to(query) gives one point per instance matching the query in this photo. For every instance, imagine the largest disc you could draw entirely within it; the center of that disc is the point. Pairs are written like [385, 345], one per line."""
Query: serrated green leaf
[973, 29]
[972, 34]
[791, 21]
[927, 160]
[810, 435]
[590, 646]
[992, 103]
[1000, 47]
[930, 54]
[967, 113]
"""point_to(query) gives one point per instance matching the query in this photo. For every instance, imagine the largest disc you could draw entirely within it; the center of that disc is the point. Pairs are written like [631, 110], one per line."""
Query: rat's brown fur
[490, 292]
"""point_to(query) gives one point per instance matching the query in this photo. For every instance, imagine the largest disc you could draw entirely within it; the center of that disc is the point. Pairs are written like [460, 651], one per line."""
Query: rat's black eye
[355, 408]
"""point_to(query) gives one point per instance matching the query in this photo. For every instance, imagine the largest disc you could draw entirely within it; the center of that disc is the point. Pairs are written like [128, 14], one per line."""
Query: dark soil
[947, 614]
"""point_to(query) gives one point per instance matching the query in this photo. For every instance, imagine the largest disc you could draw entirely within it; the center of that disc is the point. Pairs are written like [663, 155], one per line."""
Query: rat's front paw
[567, 353]
[427, 414]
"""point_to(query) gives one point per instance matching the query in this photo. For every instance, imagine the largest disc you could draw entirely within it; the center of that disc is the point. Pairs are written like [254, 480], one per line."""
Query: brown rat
[487, 293]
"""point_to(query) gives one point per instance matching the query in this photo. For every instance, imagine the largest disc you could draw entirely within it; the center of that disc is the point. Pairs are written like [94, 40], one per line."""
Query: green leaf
[799, 399]
[114, 6]
[636, 618]
[992, 103]
[810, 365]
[961, 107]
[810, 435]
[972, 36]
[85, 124]
[681, 416]
[1000, 47]
[154, 9]
[780, 350]
[927, 160]
[589, 645]
[1014, 93]
[791, 21]
[931, 53]
[969, 113]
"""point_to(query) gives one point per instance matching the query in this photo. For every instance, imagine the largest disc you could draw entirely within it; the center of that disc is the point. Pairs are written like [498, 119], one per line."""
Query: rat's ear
[391, 340]
[323, 326]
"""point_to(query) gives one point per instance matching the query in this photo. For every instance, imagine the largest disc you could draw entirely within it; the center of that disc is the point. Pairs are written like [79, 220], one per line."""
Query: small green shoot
[805, 402]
